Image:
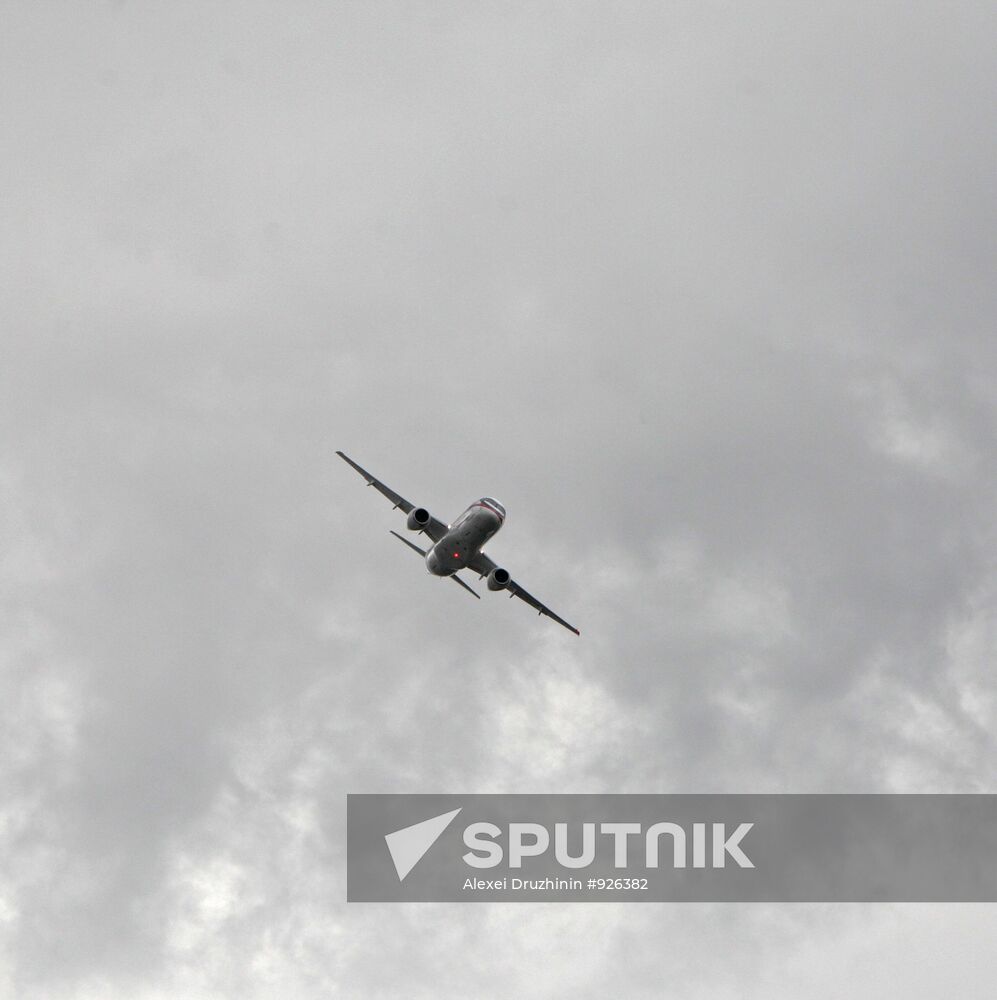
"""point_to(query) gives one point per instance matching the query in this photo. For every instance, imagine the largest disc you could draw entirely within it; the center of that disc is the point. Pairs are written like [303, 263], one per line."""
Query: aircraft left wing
[435, 528]
[483, 565]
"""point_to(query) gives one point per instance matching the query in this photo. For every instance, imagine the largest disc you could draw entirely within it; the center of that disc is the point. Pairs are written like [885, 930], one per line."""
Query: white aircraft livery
[458, 546]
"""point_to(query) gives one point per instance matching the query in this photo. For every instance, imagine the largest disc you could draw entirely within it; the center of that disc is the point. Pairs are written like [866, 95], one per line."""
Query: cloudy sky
[703, 292]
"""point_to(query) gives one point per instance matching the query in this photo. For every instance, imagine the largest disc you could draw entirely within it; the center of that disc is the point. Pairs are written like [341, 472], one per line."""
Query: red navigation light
[456, 555]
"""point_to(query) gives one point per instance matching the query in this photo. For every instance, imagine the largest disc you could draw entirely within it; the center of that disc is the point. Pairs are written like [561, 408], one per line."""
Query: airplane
[458, 546]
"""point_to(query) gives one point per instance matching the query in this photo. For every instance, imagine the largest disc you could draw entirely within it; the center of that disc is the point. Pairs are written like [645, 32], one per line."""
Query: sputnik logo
[408, 845]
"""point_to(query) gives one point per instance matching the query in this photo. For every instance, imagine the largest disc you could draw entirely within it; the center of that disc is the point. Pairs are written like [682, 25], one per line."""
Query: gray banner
[682, 848]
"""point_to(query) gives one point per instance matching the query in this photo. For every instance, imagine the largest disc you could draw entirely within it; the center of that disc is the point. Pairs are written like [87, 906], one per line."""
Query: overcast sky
[704, 293]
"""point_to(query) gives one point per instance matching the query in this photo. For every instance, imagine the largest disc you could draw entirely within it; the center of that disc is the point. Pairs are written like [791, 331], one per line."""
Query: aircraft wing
[484, 565]
[435, 528]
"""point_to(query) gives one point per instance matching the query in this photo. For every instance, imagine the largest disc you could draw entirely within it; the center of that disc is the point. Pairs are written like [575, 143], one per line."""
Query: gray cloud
[703, 294]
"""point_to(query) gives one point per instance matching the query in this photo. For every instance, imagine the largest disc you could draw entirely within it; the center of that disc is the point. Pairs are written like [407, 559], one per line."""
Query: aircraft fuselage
[466, 537]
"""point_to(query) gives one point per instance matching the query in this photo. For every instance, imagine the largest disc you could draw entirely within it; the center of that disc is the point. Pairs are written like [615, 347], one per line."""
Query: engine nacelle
[498, 579]
[418, 518]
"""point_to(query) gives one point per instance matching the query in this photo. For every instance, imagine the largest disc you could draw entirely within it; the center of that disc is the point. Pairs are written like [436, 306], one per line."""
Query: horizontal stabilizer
[421, 552]
[470, 590]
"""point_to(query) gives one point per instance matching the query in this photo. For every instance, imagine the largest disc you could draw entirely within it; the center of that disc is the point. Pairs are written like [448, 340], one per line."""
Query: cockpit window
[492, 502]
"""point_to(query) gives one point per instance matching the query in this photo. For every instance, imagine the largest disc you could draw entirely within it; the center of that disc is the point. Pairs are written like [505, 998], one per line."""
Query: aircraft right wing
[435, 528]
[483, 565]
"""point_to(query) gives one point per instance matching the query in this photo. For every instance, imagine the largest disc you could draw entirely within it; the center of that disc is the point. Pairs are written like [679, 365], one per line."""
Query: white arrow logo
[409, 844]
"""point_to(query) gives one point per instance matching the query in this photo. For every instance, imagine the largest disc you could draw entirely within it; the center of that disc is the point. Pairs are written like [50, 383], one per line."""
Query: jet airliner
[458, 546]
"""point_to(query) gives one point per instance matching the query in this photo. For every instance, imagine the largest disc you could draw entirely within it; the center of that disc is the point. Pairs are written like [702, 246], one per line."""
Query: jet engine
[498, 579]
[418, 518]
